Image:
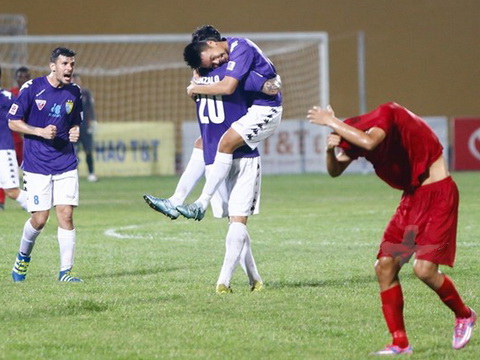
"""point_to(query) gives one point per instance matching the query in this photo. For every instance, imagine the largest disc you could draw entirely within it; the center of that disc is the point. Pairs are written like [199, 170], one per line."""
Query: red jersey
[409, 148]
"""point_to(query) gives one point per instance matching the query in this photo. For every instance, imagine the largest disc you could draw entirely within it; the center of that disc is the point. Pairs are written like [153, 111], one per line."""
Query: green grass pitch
[149, 282]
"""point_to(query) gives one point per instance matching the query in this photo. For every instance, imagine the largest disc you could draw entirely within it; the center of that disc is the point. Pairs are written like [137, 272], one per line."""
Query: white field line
[118, 233]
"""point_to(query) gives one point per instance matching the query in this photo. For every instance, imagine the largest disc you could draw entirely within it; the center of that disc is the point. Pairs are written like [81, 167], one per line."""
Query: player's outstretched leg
[19, 271]
[193, 211]
[67, 276]
[161, 205]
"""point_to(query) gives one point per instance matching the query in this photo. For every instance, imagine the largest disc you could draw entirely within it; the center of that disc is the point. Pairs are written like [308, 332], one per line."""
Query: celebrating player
[407, 155]
[246, 63]
[255, 85]
[9, 181]
[239, 195]
[49, 112]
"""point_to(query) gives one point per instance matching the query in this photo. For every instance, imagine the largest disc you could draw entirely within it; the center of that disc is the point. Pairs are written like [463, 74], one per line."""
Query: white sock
[248, 262]
[66, 242]
[22, 199]
[220, 168]
[29, 236]
[234, 244]
[192, 173]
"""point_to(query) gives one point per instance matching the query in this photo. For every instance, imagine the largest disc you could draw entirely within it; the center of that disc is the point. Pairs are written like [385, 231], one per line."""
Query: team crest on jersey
[40, 104]
[231, 65]
[13, 109]
[69, 106]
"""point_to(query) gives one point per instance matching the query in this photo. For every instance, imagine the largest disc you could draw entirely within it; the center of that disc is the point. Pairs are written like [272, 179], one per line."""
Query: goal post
[143, 78]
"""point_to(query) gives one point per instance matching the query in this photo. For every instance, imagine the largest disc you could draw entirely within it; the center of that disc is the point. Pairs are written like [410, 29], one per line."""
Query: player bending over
[407, 155]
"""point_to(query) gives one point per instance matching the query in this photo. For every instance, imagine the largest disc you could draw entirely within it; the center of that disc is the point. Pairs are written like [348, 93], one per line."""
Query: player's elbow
[12, 125]
[229, 90]
[369, 145]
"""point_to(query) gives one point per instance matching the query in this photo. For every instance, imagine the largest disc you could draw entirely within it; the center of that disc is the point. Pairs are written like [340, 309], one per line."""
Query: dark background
[423, 54]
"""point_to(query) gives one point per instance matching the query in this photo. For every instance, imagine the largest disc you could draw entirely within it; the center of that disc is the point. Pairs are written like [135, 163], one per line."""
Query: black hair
[59, 51]
[21, 69]
[205, 33]
[191, 53]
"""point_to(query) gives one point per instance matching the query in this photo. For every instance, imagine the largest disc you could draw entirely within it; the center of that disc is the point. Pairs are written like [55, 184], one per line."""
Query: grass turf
[149, 282]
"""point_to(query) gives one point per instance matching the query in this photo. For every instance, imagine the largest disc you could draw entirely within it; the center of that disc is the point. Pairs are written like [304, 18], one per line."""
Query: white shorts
[258, 124]
[239, 194]
[46, 191]
[9, 169]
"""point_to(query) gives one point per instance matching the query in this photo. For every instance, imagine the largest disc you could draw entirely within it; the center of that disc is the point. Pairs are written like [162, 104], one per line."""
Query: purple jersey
[6, 137]
[245, 57]
[216, 113]
[40, 104]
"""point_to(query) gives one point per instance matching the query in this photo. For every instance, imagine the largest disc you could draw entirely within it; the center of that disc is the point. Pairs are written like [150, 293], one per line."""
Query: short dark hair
[191, 53]
[205, 33]
[21, 69]
[59, 51]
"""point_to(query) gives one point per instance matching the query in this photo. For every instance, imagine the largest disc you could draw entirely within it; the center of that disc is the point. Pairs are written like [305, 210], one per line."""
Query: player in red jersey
[407, 155]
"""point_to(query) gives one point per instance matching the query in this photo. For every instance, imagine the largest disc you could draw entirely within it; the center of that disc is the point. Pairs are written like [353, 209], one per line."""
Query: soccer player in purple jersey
[255, 85]
[245, 62]
[49, 112]
[239, 195]
[9, 180]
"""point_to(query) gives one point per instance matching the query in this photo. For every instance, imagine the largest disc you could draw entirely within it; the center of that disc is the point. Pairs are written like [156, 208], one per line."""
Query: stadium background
[423, 54]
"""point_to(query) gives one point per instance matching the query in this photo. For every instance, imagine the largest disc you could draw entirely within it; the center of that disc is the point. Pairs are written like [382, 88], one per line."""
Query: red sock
[2, 196]
[392, 307]
[450, 297]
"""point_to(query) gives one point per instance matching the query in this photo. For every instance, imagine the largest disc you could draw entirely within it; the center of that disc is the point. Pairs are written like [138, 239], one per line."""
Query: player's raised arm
[365, 140]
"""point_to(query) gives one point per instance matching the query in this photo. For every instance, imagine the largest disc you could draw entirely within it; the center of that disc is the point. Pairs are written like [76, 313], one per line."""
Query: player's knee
[386, 268]
[12, 193]
[39, 219]
[424, 273]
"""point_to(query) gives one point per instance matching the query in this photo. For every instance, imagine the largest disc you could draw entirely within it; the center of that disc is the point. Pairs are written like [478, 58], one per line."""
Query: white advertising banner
[299, 147]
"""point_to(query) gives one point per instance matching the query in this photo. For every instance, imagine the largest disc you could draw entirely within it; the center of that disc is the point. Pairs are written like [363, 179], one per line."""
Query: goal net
[143, 78]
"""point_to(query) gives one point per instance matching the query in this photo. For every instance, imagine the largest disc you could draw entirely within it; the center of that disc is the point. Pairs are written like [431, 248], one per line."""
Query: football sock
[219, 171]
[66, 242]
[450, 297]
[2, 196]
[89, 160]
[22, 199]
[392, 307]
[29, 236]
[248, 262]
[193, 172]
[234, 244]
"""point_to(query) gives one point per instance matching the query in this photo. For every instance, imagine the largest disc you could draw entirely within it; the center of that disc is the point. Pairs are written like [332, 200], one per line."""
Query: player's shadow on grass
[137, 272]
[321, 283]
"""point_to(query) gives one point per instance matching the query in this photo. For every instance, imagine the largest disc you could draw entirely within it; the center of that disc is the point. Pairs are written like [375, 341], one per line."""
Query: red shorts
[18, 142]
[424, 223]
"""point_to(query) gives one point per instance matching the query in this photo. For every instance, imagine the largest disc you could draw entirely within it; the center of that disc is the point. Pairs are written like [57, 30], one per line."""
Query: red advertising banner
[466, 144]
